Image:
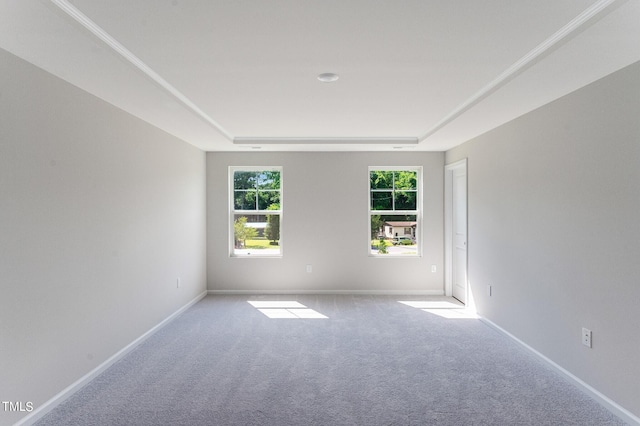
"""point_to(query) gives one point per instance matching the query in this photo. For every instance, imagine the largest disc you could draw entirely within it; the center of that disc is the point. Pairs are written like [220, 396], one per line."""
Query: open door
[456, 231]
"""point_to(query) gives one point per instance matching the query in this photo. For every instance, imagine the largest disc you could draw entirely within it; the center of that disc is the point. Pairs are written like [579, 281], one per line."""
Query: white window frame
[233, 212]
[417, 212]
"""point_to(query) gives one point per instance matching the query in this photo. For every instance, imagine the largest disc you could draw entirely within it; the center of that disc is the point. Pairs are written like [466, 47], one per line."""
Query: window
[256, 211]
[395, 211]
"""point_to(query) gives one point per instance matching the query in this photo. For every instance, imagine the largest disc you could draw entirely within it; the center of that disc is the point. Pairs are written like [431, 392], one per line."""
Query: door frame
[449, 170]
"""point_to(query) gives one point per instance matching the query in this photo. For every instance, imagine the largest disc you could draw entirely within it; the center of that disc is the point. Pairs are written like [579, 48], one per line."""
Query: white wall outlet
[433, 268]
[309, 269]
[489, 290]
[178, 284]
[586, 337]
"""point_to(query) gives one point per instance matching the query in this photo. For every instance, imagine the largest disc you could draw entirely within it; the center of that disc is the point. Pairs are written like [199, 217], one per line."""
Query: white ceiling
[424, 75]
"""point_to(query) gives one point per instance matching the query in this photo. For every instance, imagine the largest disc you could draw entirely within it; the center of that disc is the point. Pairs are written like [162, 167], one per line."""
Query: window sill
[256, 255]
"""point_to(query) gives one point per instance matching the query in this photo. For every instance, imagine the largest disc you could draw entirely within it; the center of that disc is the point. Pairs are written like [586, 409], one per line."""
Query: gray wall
[325, 224]
[99, 214]
[554, 202]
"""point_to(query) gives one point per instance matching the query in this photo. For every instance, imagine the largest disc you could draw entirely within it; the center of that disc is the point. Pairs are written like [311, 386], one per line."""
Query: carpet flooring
[328, 360]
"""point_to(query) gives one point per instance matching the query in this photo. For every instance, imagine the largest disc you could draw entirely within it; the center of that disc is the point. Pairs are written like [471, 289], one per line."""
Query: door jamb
[448, 225]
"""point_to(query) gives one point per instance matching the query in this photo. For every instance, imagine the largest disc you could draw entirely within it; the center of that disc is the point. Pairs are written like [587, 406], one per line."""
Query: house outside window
[395, 211]
[255, 199]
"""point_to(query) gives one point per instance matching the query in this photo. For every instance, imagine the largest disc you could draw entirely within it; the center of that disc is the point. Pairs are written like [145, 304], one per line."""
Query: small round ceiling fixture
[327, 77]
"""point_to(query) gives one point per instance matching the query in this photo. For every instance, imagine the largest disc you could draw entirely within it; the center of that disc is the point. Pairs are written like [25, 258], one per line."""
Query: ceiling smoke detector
[327, 77]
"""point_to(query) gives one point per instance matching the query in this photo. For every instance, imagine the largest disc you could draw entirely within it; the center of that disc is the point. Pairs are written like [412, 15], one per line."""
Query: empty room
[319, 213]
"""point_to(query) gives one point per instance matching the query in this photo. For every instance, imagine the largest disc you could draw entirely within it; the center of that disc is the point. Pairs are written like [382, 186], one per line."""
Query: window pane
[405, 200]
[376, 226]
[244, 180]
[256, 234]
[272, 230]
[269, 200]
[396, 235]
[381, 179]
[244, 200]
[382, 200]
[268, 180]
[406, 180]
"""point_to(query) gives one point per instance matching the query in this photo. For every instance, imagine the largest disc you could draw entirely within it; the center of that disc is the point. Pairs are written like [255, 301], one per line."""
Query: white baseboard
[329, 292]
[605, 401]
[52, 403]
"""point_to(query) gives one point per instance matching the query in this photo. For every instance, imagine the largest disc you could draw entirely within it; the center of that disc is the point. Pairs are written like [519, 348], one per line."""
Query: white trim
[527, 60]
[232, 212]
[117, 47]
[456, 164]
[418, 212]
[62, 396]
[448, 220]
[255, 169]
[330, 292]
[392, 168]
[397, 141]
[604, 400]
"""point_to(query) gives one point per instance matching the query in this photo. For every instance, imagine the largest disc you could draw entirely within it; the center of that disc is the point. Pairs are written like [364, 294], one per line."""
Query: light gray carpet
[374, 361]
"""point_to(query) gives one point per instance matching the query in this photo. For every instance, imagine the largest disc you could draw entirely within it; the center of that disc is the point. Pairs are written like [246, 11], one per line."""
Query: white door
[459, 234]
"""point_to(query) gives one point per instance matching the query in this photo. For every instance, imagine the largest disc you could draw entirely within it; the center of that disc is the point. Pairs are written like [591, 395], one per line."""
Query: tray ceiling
[238, 75]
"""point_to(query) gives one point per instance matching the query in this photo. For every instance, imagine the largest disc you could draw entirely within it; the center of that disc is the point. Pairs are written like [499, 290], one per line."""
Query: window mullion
[257, 212]
[393, 190]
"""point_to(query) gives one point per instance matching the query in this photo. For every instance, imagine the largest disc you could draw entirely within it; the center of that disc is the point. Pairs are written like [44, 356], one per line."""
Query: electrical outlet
[309, 269]
[178, 284]
[433, 268]
[586, 337]
[489, 290]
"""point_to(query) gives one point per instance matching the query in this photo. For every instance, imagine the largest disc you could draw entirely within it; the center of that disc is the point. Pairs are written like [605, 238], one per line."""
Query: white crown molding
[527, 60]
[324, 141]
[117, 47]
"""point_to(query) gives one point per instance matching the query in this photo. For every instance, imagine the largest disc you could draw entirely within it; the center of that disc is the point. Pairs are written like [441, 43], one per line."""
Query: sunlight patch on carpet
[452, 313]
[442, 308]
[285, 309]
[432, 304]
